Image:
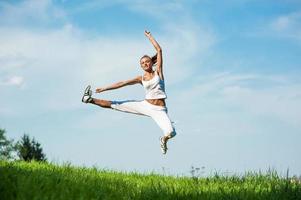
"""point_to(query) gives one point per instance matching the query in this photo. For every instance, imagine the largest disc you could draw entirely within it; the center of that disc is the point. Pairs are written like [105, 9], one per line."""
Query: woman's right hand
[147, 34]
[99, 90]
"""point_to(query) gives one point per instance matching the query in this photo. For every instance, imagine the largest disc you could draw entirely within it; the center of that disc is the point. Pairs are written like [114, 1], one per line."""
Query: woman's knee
[171, 134]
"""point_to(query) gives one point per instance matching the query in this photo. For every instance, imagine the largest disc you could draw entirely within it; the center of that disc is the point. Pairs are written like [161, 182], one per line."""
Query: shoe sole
[87, 90]
[164, 150]
[86, 93]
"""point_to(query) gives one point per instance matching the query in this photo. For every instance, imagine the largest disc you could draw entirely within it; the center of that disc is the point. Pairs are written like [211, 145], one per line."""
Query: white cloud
[157, 9]
[30, 12]
[13, 81]
[253, 95]
[91, 5]
[9, 60]
[280, 102]
[282, 23]
[288, 25]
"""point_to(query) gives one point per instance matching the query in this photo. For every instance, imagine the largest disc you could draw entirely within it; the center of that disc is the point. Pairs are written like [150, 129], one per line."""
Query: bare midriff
[157, 102]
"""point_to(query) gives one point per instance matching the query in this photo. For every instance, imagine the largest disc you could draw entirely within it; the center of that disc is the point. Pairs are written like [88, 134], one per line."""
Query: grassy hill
[21, 180]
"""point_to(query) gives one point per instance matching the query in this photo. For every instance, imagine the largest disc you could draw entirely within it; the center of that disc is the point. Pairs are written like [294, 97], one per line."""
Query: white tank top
[154, 88]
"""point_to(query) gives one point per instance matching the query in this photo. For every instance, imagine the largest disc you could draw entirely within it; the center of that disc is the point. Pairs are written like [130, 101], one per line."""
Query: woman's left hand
[99, 90]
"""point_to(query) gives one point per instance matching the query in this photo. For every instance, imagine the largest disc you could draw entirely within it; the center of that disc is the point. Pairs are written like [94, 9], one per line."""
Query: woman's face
[146, 63]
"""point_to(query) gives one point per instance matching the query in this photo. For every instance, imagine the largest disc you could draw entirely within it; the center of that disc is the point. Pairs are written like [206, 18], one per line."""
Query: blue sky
[232, 73]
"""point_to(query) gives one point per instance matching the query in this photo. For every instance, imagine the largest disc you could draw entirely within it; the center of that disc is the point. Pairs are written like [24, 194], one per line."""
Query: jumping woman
[154, 104]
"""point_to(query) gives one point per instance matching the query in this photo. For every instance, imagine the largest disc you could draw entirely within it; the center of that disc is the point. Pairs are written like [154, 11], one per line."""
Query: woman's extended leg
[101, 103]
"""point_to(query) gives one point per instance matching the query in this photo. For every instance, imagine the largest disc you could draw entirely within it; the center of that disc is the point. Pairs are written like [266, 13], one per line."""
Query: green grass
[21, 180]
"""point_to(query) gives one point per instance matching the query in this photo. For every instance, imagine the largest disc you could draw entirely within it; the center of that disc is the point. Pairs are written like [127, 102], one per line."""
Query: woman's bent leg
[164, 122]
[162, 119]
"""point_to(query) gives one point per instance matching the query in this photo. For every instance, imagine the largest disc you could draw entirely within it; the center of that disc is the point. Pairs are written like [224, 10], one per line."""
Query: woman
[154, 104]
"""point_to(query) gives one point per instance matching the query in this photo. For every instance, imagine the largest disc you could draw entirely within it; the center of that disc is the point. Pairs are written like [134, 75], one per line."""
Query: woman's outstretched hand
[99, 90]
[147, 33]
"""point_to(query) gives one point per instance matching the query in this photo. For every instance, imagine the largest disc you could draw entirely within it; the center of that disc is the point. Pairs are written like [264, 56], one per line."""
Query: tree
[29, 149]
[6, 146]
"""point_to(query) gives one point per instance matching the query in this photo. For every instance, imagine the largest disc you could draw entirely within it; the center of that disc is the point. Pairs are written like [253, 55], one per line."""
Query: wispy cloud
[30, 13]
[288, 25]
[85, 6]
[157, 9]
[13, 81]
[254, 95]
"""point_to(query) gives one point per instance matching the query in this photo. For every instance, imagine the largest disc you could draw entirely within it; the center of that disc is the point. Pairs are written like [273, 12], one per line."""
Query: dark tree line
[24, 149]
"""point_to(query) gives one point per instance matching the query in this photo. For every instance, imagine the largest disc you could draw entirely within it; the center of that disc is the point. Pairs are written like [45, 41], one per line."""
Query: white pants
[157, 113]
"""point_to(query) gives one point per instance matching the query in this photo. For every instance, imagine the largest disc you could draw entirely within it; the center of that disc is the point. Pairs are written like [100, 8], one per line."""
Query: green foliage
[34, 180]
[29, 149]
[6, 146]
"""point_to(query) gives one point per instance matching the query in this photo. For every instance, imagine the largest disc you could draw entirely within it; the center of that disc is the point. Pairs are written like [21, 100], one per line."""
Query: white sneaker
[87, 95]
[163, 145]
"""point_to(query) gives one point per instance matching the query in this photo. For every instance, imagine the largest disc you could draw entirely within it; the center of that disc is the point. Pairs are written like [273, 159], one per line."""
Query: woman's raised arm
[159, 53]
